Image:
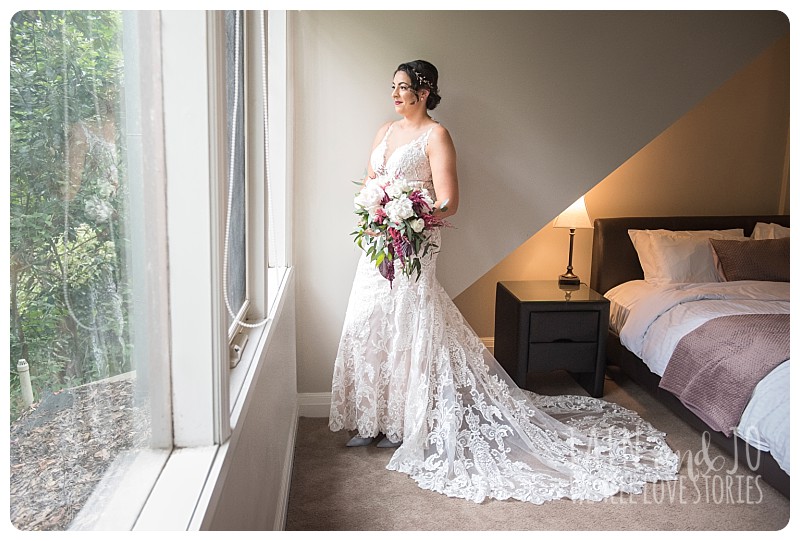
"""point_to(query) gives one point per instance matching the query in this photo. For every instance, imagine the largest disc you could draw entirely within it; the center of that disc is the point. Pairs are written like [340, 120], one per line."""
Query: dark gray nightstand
[539, 327]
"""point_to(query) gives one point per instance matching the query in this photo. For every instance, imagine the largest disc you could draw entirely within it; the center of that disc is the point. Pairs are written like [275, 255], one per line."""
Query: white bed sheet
[765, 419]
[651, 319]
[623, 299]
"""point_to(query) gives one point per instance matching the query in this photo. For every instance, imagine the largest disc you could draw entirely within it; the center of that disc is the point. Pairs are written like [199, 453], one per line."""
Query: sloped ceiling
[726, 156]
[576, 94]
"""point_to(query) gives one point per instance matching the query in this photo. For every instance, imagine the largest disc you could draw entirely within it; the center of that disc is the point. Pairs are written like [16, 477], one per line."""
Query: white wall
[252, 486]
[541, 106]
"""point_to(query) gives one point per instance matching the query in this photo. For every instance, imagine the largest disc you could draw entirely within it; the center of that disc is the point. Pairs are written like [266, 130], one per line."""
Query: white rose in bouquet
[370, 198]
[418, 225]
[399, 209]
[397, 187]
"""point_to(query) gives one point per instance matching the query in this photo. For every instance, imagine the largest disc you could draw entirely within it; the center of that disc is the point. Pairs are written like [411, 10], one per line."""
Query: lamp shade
[575, 217]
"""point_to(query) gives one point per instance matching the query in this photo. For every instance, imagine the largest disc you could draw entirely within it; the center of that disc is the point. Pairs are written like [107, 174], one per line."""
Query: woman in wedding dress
[410, 368]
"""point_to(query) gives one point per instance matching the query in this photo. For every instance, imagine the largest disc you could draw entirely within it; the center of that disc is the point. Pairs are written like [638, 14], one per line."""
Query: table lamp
[575, 217]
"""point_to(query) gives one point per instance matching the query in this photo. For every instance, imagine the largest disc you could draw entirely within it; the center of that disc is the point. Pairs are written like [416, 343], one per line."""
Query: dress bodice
[408, 161]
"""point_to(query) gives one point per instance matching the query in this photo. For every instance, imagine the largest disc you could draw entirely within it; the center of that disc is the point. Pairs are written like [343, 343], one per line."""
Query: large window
[80, 384]
[139, 163]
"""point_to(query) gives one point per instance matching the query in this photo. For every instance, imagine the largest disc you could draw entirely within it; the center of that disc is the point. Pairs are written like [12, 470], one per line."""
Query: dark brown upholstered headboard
[614, 259]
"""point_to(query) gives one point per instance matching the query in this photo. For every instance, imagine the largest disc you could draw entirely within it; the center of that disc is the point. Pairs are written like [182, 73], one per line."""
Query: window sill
[173, 501]
[277, 279]
[171, 490]
[112, 507]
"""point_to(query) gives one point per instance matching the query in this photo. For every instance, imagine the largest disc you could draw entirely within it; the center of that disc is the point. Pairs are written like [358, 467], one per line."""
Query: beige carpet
[339, 488]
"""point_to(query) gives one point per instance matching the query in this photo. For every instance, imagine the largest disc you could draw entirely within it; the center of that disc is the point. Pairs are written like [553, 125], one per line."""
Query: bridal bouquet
[394, 218]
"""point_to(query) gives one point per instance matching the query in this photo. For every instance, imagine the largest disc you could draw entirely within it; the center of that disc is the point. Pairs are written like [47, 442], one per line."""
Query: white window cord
[236, 320]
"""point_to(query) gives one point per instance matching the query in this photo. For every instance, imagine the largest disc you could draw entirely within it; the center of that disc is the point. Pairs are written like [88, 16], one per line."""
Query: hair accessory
[423, 81]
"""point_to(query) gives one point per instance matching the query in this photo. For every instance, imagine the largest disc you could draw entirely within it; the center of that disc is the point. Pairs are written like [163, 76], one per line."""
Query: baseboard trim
[314, 404]
[286, 477]
[488, 341]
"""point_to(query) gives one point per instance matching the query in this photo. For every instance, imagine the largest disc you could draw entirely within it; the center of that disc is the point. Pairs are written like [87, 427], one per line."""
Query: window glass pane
[71, 258]
[237, 267]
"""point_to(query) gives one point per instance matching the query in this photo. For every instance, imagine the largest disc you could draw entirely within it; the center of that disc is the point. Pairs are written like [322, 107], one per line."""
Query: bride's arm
[442, 155]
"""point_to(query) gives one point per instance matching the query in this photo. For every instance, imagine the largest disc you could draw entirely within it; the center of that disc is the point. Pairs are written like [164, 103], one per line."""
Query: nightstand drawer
[575, 357]
[571, 326]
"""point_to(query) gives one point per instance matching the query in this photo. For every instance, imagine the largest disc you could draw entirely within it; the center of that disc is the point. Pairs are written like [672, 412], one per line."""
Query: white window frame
[195, 109]
[197, 335]
[208, 397]
[197, 167]
[173, 488]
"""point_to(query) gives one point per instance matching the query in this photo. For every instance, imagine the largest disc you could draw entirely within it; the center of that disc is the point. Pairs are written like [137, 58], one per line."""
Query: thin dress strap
[426, 136]
[385, 145]
[385, 139]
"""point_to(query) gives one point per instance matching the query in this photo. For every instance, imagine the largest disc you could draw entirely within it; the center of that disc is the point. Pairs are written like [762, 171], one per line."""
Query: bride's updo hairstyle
[423, 74]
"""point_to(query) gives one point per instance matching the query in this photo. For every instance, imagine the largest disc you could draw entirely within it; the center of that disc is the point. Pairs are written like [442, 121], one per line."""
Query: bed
[701, 304]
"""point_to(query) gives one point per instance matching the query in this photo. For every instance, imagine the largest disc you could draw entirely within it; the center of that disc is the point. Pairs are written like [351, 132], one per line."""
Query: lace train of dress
[409, 366]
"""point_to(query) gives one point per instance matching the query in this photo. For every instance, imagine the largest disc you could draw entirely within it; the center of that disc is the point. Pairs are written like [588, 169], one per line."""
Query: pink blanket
[715, 368]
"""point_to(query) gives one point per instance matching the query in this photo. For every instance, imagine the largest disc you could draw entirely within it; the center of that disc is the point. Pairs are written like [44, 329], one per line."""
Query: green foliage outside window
[68, 241]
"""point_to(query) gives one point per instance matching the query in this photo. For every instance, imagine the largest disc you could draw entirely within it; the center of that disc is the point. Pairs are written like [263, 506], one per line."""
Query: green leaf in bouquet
[416, 265]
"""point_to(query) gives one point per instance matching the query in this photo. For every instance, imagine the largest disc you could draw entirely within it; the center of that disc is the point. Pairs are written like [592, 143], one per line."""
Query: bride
[409, 366]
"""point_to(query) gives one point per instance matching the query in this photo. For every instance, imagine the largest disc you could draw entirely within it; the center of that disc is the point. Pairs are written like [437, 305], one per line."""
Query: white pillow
[769, 231]
[669, 257]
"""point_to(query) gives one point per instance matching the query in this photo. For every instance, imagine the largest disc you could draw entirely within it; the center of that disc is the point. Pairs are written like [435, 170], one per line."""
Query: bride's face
[403, 95]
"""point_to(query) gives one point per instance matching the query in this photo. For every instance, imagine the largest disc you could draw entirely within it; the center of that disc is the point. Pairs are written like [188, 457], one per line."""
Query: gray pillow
[766, 260]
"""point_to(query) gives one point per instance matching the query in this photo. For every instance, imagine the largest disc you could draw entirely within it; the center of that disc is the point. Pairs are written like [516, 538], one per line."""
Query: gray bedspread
[715, 368]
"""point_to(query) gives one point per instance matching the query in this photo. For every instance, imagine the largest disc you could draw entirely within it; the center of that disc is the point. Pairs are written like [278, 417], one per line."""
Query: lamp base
[569, 288]
[569, 279]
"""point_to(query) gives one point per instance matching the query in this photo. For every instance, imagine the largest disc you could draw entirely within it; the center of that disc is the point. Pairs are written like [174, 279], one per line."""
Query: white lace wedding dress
[410, 367]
